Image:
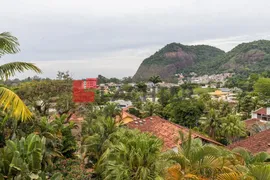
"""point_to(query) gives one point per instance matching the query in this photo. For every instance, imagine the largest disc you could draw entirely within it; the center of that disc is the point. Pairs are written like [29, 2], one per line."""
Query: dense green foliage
[72, 169]
[262, 87]
[187, 113]
[98, 145]
[132, 155]
[24, 159]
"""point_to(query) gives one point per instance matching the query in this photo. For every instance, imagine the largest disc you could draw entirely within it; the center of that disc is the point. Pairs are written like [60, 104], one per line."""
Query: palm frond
[260, 171]
[8, 44]
[230, 176]
[9, 69]
[12, 103]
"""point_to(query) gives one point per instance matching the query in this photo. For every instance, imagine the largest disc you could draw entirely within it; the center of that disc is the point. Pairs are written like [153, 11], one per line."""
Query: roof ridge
[251, 119]
[259, 109]
[254, 143]
[188, 129]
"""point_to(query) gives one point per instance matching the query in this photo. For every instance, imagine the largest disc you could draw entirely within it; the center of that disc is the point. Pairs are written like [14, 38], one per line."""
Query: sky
[112, 37]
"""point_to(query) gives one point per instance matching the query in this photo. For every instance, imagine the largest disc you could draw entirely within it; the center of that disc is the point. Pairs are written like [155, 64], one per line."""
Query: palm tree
[142, 87]
[195, 160]
[255, 167]
[260, 172]
[151, 108]
[98, 133]
[187, 90]
[219, 126]
[232, 128]
[252, 159]
[9, 101]
[211, 123]
[111, 110]
[154, 80]
[132, 155]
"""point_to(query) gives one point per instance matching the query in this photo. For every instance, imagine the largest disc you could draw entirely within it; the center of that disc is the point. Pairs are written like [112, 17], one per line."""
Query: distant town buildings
[207, 79]
[224, 94]
[180, 78]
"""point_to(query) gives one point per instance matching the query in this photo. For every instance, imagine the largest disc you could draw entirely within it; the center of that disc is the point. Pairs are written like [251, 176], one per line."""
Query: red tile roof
[256, 143]
[261, 111]
[165, 130]
[250, 122]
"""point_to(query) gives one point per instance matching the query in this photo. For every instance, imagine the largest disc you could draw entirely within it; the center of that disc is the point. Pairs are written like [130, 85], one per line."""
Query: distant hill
[252, 57]
[202, 59]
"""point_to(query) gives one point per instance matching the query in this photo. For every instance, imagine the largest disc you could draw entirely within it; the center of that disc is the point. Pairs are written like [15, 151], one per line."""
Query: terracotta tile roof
[165, 130]
[256, 143]
[250, 122]
[260, 111]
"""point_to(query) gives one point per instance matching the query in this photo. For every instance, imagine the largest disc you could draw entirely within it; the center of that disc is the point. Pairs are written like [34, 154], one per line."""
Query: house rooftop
[250, 122]
[261, 111]
[256, 143]
[251, 125]
[167, 131]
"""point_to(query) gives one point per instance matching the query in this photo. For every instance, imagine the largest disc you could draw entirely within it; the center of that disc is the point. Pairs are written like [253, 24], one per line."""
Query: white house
[262, 114]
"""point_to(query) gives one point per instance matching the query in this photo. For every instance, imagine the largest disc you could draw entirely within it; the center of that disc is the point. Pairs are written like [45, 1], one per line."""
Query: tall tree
[164, 96]
[46, 95]
[111, 110]
[10, 101]
[151, 109]
[63, 75]
[187, 112]
[142, 87]
[232, 128]
[96, 135]
[187, 90]
[211, 123]
[248, 104]
[262, 87]
[155, 80]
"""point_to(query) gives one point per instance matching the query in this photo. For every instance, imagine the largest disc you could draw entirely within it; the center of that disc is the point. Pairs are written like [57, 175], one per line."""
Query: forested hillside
[253, 57]
[175, 58]
[202, 59]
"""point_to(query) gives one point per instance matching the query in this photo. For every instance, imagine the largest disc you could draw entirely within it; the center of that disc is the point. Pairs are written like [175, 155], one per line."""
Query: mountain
[174, 58]
[202, 59]
[247, 57]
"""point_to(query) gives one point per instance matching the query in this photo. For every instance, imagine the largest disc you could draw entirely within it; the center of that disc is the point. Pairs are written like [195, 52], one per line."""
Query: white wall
[268, 110]
[253, 115]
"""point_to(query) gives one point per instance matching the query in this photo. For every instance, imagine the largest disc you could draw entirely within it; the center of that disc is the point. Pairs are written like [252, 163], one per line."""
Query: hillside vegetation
[203, 59]
[253, 57]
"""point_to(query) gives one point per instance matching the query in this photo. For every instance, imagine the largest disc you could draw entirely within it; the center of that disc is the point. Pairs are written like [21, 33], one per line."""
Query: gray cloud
[112, 37]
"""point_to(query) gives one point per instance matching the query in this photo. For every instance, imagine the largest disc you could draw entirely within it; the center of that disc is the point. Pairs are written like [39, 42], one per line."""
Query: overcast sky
[112, 37]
